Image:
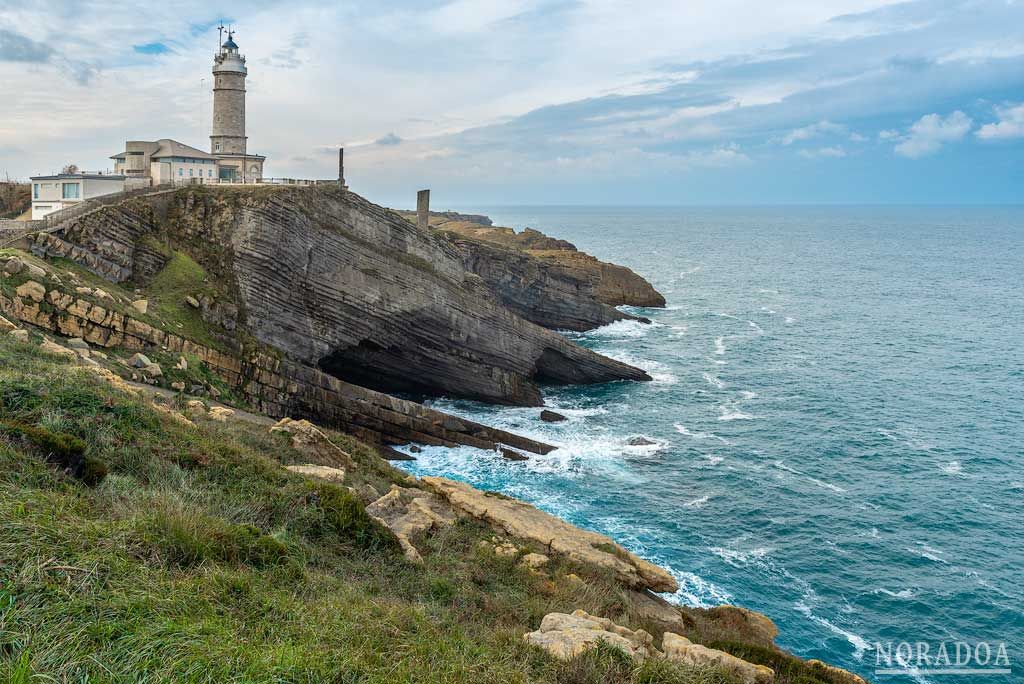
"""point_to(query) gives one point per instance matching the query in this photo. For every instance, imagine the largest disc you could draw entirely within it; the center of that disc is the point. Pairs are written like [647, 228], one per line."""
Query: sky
[545, 101]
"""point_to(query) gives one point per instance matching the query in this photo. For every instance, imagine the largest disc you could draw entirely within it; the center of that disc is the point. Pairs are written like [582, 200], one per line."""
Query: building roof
[79, 176]
[173, 148]
[170, 148]
[230, 44]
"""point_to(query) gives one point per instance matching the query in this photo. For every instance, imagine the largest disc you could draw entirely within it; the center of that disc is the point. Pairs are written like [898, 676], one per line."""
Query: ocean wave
[738, 558]
[901, 594]
[689, 271]
[625, 329]
[713, 381]
[928, 553]
[698, 502]
[682, 429]
[757, 328]
[732, 413]
[859, 643]
[952, 468]
[719, 346]
[768, 311]
[679, 330]
[696, 591]
[790, 320]
[713, 460]
[658, 371]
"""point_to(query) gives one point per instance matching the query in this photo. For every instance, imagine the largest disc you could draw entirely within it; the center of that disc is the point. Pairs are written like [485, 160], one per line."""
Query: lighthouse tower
[227, 139]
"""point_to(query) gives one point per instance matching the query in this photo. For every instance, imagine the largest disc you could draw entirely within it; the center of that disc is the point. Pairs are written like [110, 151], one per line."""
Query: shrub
[333, 513]
[186, 539]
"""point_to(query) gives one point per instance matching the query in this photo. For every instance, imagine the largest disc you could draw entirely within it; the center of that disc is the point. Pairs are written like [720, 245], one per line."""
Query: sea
[837, 407]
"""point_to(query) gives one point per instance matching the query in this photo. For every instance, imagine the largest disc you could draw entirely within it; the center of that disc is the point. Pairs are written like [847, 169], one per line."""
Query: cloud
[15, 47]
[888, 134]
[931, 132]
[834, 152]
[388, 140]
[813, 131]
[1010, 124]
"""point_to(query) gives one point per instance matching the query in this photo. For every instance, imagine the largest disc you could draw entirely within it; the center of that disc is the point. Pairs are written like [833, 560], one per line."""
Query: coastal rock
[682, 650]
[340, 284]
[534, 561]
[19, 335]
[523, 521]
[836, 674]
[327, 473]
[178, 386]
[14, 266]
[309, 440]
[192, 301]
[6, 325]
[754, 627]
[152, 371]
[141, 305]
[652, 608]
[512, 455]
[566, 636]
[641, 441]
[551, 416]
[407, 511]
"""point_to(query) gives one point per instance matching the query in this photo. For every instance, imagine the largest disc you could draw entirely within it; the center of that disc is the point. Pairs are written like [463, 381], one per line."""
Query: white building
[165, 160]
[53, 193]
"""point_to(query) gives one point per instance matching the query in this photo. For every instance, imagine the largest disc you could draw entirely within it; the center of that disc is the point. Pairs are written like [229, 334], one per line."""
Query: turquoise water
[838, 402]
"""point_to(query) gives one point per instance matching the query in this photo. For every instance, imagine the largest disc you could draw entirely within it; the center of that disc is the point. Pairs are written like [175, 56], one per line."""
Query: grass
[182, 277]
[200, 559]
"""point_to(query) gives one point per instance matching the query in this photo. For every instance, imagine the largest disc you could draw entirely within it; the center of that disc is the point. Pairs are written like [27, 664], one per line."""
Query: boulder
[77, 343]
[413, 449]
[139, 361]
[336, 475]
[195, 406]
[34, 270]
[6, 325]
[682, 650]
[153, 371]
[313, 443]
[534, 561]
[836, 674]
[512, 454]
[566, 636]
[220, 414]
[141, 305]
[182, 364]
[407, 511]
[19, 335]
[178, 386]
[14, 266]
[102, 294]
[54, 348]
[551, 416]
[523, 521]
[84, 291]
[192, 301]
[31, 290]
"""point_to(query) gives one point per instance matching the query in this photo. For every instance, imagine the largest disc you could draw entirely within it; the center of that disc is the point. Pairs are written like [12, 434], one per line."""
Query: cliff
[543, 279]
[338, 283]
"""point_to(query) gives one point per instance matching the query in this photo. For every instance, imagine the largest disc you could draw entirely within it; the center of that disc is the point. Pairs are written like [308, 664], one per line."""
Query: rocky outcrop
[559, 266]
[521, 520]
[310, 441]
[336, 282]
[566, 636]
[407, 511]
[682, 650]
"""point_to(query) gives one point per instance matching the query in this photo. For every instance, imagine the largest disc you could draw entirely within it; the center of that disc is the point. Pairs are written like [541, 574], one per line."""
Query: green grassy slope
[200, 559]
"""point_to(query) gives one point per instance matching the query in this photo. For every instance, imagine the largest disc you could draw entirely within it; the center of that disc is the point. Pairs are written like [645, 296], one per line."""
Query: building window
[216, 146]
[71, 191]
[209, 173]
[181, 172]
[191, 171]
[35, 191]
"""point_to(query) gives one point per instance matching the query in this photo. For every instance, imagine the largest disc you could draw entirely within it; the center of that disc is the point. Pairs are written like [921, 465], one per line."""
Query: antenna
[220, 34]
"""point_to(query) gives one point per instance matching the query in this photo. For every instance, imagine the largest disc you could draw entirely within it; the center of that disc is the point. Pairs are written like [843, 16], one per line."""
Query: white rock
[221, 414]
[319, 471]
[84, 291]
[682, 650]
[139, 361]
[101, 294]
[153, 370]
[192, 301]
[141, 305]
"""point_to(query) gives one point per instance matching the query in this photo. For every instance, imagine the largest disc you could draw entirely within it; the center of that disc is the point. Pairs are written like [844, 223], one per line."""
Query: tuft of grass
[182, 277]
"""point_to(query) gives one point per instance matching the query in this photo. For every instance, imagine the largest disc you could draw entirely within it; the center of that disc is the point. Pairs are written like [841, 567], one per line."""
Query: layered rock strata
[336, 282]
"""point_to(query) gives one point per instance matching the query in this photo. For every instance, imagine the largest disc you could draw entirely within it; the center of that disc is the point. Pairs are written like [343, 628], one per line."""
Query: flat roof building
[60, 191]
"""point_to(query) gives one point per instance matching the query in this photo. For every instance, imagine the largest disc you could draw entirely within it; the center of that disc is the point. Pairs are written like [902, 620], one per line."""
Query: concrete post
[341, 167]
[423, 209]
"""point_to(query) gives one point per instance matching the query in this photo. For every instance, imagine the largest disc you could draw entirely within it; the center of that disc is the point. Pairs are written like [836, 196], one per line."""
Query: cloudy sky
[546, 101]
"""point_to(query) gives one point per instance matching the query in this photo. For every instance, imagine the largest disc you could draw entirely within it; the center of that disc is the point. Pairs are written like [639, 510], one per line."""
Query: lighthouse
[228, 139]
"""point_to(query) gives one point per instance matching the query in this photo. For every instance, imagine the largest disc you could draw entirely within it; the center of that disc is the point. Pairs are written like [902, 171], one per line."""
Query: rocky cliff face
[547, 280]
[339, 283]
